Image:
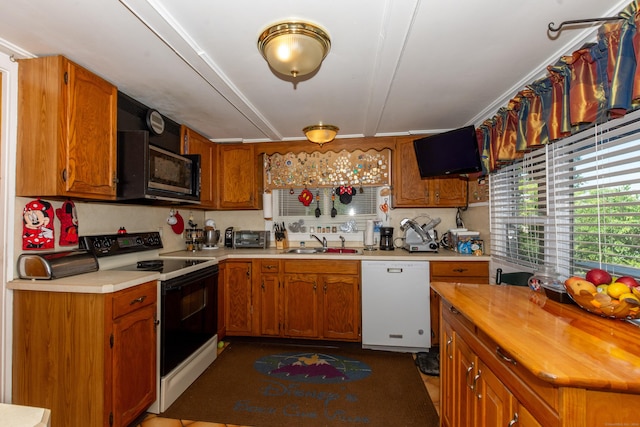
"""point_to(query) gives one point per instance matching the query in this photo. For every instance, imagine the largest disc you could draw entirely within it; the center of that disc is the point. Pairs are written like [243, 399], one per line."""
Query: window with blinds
[363, 206]
[573, 205]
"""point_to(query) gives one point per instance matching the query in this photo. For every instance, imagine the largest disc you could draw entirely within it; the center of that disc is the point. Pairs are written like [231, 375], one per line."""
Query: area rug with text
[265, 384]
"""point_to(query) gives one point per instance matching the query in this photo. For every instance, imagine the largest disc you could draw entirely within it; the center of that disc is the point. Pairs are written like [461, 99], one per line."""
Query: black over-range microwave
[148, 172]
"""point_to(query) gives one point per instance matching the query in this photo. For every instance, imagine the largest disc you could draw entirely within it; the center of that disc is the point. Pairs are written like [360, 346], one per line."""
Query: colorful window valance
[355, 167]
[597, 83]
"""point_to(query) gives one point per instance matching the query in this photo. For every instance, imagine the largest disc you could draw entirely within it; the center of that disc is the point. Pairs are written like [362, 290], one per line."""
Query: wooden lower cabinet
[452, 271]
[90, 358]
[301, 306]
[312, 299]
[238, 294]
[473, 394]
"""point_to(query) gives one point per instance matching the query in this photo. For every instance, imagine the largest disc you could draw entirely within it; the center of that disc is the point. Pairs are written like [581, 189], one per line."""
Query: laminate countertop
[558, 343]
[108, 280]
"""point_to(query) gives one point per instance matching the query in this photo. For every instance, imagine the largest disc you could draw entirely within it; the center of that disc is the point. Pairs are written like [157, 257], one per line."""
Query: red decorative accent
[178, 227]
[38, 230]
[306, 197]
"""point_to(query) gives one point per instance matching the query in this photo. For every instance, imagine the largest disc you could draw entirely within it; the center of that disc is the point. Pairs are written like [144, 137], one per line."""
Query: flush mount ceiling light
[294, 48]
[320, 133]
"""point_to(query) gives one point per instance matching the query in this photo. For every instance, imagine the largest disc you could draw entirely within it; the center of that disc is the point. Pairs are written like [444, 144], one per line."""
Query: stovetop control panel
[118, 244]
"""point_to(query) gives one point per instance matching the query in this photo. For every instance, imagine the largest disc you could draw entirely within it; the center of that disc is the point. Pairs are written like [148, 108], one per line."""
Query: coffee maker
[386, 238]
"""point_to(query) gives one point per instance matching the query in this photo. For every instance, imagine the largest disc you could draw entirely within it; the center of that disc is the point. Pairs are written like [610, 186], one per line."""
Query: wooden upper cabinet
[66, 131]
[412, 191]
[239, 177]
[194, 143]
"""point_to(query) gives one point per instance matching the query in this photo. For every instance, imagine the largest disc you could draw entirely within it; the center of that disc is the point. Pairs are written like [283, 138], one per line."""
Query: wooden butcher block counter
[510, 355]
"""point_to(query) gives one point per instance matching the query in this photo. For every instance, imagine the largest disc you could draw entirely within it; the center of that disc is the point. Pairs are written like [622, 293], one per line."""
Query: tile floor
[432, 384]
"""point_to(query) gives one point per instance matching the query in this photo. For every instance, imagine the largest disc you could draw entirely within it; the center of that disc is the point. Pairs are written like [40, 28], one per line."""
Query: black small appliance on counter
[386, 238]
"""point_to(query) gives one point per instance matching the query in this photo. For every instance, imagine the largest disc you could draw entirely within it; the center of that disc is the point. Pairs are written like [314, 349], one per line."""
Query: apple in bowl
[598, 276]
[579, 286]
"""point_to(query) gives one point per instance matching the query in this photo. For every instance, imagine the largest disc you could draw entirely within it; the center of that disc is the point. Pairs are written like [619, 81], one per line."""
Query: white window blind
[519, 211]
[363, 206]
[573, 205]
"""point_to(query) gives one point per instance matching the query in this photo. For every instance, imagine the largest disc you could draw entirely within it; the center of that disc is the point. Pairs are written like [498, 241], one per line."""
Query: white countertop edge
[109, 281]
[98, 282]
[394, 255]
[23, 416]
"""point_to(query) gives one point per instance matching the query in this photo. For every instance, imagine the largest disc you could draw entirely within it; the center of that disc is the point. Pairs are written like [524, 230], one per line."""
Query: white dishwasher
[396, 305]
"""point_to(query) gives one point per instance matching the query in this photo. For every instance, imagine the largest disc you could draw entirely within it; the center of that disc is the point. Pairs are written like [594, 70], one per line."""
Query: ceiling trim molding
[391, 46]
[162, 24]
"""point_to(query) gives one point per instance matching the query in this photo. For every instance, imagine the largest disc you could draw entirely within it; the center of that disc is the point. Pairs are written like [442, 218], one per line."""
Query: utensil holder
[282, 242]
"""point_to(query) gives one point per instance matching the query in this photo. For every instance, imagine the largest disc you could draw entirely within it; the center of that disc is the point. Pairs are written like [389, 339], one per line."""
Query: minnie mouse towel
[38, 229]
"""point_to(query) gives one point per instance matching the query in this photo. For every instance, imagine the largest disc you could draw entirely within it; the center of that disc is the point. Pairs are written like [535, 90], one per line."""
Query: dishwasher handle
[394, 270]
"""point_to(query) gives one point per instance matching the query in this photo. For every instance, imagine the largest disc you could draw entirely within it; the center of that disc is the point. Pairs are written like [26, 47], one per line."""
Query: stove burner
[150, 263]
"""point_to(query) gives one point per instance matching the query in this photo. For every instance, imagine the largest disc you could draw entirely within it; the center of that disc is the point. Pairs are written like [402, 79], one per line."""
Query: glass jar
[547, 278]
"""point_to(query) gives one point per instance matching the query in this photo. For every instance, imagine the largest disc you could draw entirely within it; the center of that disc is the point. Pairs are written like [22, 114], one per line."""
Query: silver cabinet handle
[469, 370]
[504, 356]
[475, 383]
[138, 300]
[514, 420]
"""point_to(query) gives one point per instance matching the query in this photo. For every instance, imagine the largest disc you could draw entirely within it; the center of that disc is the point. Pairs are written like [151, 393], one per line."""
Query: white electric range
[187, 306]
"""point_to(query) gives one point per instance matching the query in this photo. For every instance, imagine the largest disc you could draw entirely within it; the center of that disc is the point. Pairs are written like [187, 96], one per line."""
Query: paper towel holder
[368, 240]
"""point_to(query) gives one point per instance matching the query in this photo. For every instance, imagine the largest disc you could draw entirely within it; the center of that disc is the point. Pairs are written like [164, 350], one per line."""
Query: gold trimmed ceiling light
[321, 133]
[294, 48]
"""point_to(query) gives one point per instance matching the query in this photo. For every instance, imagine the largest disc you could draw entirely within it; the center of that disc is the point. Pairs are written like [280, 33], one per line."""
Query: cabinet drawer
[319, 266]
[442, 269]
[134, 298]
[269, 265]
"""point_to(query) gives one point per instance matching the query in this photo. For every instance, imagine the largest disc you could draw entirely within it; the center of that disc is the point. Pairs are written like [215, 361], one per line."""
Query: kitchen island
[509, 354]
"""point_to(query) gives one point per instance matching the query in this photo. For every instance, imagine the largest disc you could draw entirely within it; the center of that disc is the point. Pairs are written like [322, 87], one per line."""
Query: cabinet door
[524, 417]
[238, 297]
[194, 143]
[409, 190]
[341, 307]
[494, 401]
[465, 363]
[238, 177]
[300, 302]
[89, 159]
[269, 306]
[448, 191]
[447, 376]
[134, 364]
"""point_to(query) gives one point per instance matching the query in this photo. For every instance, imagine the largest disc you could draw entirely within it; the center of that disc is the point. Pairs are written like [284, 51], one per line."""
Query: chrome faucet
[323, 242]
[342, 240]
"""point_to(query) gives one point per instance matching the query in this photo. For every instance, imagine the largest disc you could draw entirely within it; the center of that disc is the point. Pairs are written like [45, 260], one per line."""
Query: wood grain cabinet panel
[85, 357]
[194, 143]
[66, 121]
[238, 294]
[239, 177]
[412, 191]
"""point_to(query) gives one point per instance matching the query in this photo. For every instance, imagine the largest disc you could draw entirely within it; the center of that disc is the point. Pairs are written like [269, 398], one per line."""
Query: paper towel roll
[368, 233]
[267, 205]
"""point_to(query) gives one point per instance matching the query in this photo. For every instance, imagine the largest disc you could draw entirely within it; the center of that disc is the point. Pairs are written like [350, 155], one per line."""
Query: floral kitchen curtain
[599, 82]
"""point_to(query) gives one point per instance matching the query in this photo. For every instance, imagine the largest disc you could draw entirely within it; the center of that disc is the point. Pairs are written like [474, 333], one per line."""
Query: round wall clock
[155, 122]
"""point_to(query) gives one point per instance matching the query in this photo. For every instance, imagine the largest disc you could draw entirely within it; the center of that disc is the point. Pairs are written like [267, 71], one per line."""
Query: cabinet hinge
[111, 341]
[110, 418]
[66, 77]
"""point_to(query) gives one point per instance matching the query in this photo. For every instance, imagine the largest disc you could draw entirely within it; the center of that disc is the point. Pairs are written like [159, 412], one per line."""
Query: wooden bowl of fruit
[600, 294]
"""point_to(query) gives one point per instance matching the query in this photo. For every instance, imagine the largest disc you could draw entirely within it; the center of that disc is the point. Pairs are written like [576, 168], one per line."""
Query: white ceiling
[395, 66]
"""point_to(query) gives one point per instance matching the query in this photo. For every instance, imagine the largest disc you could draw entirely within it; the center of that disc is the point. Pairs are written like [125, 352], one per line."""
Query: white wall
[8, 129]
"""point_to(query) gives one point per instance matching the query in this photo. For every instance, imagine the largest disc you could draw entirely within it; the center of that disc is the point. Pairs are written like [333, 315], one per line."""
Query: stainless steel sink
[308, 251]
[304, 250]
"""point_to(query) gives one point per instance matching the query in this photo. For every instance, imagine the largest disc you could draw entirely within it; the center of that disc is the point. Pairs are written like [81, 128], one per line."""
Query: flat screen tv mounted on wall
[449, 153]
